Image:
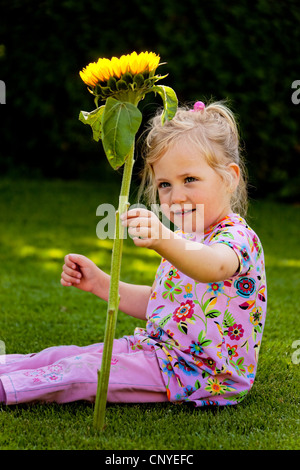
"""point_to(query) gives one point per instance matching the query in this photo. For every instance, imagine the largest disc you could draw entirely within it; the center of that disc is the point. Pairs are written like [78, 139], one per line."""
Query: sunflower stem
[114, 298]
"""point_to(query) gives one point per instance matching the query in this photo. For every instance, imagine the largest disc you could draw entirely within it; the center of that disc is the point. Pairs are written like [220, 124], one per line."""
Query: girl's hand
[145, 228]
[81, 272]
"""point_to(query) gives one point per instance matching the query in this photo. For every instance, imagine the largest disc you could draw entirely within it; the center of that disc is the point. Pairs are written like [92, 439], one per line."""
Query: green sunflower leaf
[94, 119]
[170, 101]
[120, 123]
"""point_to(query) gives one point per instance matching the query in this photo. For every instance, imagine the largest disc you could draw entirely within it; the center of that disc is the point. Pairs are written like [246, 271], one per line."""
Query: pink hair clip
[198, 106]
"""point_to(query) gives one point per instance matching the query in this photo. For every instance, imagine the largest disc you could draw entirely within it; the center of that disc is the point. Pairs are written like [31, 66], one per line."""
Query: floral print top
[207, 336]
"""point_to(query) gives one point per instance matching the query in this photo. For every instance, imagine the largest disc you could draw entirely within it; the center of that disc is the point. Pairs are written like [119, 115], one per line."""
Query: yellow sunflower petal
[143, 63]
[116, 67]
[124, 64]
[133, 67]
[101, 71]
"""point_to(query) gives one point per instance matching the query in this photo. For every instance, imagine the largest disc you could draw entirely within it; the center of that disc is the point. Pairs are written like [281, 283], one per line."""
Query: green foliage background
[246, 51]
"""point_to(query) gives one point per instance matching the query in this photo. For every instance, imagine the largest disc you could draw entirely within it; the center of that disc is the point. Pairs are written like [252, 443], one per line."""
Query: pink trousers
[63, 374]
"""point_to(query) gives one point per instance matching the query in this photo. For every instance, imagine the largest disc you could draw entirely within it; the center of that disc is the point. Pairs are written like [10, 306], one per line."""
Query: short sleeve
[240, 239]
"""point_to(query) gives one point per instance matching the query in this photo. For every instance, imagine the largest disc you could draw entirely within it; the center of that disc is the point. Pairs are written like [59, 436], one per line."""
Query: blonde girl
[205, 311]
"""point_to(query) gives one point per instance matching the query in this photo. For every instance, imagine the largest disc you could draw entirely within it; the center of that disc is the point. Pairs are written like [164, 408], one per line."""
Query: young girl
[206, 310]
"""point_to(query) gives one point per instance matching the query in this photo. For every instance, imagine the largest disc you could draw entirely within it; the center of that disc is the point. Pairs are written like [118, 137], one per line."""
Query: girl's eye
[163, 185]
[190, 179]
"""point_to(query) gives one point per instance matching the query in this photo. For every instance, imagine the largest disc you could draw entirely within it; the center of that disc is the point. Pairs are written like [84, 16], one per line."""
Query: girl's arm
[133, 297]
[82, 273]
[198, 261]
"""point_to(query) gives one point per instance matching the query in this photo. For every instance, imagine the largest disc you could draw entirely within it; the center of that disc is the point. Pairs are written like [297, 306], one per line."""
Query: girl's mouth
[184, 212]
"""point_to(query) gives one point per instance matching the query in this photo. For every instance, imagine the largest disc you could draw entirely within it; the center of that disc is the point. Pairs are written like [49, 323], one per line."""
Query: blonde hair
[213, 130]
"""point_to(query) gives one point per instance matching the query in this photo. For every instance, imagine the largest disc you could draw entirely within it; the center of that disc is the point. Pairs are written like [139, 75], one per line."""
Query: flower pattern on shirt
[207, 336]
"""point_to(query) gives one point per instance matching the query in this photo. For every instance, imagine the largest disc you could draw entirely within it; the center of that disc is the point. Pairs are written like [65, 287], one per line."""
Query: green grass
[41, 221]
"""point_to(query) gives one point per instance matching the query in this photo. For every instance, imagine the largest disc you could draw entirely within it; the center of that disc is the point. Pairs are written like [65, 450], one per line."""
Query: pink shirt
[207, 336]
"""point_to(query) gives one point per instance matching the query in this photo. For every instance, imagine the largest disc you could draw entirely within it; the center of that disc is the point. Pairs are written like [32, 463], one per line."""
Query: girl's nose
[178, 195]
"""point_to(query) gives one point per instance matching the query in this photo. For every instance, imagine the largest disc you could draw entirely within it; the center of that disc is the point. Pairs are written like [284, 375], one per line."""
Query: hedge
[243, 51]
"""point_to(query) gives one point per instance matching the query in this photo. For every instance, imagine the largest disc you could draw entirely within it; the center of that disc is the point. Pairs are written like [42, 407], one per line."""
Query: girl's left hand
[145, 228]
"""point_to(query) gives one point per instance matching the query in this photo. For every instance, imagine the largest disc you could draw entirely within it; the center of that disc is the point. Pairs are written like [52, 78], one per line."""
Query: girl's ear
[234, 171]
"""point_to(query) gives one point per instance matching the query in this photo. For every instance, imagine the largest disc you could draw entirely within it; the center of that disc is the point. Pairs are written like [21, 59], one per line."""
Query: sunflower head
[122, 83]
[128, 77]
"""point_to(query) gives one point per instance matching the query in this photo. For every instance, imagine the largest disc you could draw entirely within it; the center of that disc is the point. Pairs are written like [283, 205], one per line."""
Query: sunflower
[122, 83]
[110, 76]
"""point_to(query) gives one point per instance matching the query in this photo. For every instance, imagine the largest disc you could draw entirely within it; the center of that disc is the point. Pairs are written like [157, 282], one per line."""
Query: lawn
[40, 222]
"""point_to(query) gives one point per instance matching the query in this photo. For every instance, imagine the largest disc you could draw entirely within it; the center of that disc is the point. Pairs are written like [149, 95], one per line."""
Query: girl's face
[192, 194]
